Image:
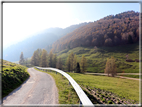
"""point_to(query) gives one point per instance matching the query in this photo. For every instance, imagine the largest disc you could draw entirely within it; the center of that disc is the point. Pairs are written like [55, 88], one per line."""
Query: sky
[22, 20]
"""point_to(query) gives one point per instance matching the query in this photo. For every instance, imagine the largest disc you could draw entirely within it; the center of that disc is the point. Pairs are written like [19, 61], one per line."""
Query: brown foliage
[108, 31]
[110, 67]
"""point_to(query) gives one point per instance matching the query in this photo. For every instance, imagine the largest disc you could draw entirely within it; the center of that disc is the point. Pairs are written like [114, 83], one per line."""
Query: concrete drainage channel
[84, 100]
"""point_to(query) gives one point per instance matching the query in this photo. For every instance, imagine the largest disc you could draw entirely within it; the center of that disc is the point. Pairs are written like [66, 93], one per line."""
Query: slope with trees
[97, 57]
[112, 30]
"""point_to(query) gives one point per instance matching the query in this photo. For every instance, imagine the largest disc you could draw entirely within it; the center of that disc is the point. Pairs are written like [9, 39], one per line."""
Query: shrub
[130, 60]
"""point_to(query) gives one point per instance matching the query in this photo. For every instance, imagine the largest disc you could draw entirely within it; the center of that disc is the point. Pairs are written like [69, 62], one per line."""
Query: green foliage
[13, 75]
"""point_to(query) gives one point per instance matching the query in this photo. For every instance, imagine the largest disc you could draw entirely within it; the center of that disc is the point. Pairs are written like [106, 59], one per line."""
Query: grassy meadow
[123, 88]
[96, 58]
[13, 75]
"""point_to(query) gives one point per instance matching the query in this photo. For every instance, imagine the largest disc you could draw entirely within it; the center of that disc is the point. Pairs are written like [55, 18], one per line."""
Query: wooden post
[80, 104]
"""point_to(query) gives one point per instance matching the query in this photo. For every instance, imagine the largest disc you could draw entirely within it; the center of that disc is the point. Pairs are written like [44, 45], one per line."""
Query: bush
[137, 60]
[12, 77]
[130, 60]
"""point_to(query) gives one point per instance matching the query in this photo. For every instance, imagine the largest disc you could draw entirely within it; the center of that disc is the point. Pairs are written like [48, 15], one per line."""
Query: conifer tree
[54, 61]
[78, 68]
[21, 61]
[83, 64]
[59, 63]
[74, 62]
[51, 59]
[68, 64]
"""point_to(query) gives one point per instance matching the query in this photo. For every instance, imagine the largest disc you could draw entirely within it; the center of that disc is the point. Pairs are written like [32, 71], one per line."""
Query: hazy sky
[21, 20]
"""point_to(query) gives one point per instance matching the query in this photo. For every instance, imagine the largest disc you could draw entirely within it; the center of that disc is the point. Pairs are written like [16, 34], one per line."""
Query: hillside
[43, 39]
[112, 30]
[97, 57]
[13, 75]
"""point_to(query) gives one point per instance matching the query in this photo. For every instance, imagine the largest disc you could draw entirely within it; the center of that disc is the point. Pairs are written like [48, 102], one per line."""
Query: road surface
[40, 88]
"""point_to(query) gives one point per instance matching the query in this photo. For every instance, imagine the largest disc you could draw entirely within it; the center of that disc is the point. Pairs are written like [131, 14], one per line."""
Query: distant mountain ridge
[111, 30]
[43, 39]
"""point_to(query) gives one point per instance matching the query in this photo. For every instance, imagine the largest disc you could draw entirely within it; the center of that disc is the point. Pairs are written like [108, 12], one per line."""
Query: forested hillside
[112, 30]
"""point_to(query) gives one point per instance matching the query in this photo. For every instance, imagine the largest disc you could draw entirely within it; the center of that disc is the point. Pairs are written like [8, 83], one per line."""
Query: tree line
[41, 58]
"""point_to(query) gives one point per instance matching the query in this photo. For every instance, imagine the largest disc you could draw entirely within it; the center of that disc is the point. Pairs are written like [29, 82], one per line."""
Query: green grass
[131, 76]
[96, 58]
[13, 75]
[67, 94]
[124, 88]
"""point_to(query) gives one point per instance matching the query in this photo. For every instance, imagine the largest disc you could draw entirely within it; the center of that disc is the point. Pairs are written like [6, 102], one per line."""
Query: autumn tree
[74, 62]
[71, 62]
[68, 64]
[35, 60]
[51, 59]
[54, 60]
[110, 67]
[59, 63]
[83, 64]
[44, 59]
[21, 61]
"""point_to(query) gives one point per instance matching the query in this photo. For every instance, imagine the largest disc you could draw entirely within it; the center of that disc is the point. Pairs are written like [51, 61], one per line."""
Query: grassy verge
[124, 88]
[67, 94]
[13, 75]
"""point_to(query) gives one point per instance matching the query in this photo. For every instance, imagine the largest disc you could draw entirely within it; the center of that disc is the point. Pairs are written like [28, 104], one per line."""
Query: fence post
[80, 104]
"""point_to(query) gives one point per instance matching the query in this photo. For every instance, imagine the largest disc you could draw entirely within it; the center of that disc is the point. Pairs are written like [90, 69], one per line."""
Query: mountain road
[39, 88]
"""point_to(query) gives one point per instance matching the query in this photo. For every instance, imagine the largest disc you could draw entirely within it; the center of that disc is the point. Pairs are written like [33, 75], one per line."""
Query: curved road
[40, 88]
